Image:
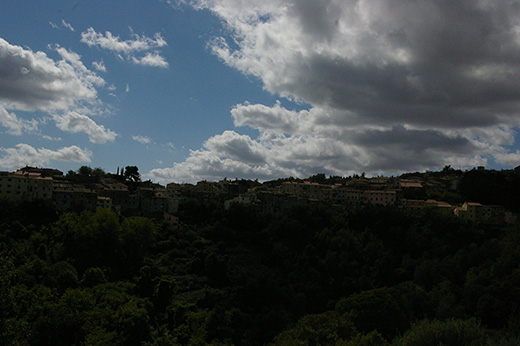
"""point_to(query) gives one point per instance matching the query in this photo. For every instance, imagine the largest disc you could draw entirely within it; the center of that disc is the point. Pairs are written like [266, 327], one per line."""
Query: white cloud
[227, 155]
[63, 24]
[16, 126]
[100, 66]
[67, 25]
[24, 154]
[74, 60]
[170, 146]
[115, 44]
[32, 81]
[151, 59]
[49, 138]
[75, 122]
[129, 48]
[142, 139]
[511, 159]
[312, 145]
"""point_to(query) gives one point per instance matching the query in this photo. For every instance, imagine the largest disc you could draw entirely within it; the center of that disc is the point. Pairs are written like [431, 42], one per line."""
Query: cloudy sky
[207, 89]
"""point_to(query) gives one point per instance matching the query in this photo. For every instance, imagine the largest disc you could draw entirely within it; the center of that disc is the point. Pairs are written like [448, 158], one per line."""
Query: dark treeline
[312, 276]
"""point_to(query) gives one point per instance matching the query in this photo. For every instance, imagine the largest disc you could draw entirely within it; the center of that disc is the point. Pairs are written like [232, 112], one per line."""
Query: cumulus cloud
[32, 81]
[227, 155]
[274, 154]
[391, 86]
[509, 159]
[15, 125]
[262, 117]
[137, 44]
[75, 122]
[24, 154]
[142, 139]
[377, 60]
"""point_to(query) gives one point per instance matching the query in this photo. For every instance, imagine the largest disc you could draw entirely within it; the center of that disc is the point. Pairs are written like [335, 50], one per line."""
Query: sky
[210, 89]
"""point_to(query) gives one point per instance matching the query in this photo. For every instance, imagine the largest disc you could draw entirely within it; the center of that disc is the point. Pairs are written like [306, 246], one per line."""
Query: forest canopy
[310, 276]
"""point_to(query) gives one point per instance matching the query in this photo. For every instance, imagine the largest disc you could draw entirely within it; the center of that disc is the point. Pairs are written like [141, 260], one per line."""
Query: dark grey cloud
[400, 148]
[419, 139]
[396, 60]
[238, 147]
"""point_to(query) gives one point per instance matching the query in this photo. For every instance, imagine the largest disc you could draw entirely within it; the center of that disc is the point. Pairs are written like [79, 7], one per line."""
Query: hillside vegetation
[310, 276]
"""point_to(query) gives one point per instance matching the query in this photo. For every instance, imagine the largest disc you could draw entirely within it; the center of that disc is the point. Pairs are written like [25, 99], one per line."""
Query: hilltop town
[124, 193]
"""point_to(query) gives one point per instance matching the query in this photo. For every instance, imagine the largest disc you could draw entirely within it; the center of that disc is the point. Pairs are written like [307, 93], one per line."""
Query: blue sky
[207, 89]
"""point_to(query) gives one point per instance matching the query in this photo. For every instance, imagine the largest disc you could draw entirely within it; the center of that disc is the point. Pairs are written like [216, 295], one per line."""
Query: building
[104, 203]
[306, 189]
[476, 212]
[24, 186]
[380, 197]
[246, 199]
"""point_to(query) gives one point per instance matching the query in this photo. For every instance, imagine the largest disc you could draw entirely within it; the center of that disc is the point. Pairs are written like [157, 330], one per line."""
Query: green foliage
[310, 276]
[315, 330]
[389, 310]
[92, 277]
[371, 339]
[451, 332]
[6, 276]
[85, 171]
[61, 275]
[137, 237]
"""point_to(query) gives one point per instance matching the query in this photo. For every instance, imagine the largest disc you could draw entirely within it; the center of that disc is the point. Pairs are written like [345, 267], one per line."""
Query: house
[476, 212]
[104, 203]
[379, 197]
[413, 204]
[25, 186]
[354, 197]
[62, 192]
[306, 189]
[410, 184]
[171, 219]
[247, 199]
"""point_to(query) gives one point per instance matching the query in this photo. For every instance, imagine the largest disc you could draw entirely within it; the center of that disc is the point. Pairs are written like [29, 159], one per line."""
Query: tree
[90, 239]
[132, 174]
[447, 333]
[313, 330]
[6, 276]
[85, 171]
[98, 172]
